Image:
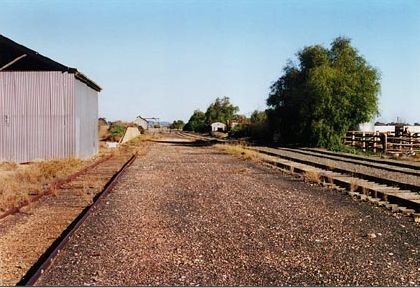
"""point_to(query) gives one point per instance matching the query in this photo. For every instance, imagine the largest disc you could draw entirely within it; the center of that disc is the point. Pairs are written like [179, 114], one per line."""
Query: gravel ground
[400, 177]
[185, 215]
[25, 236]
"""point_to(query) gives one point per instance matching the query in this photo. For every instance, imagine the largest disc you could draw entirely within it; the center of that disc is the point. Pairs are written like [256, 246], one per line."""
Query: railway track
[396, 163]
[55, 218]
[47, 259]
[393, 184]
[395, 177]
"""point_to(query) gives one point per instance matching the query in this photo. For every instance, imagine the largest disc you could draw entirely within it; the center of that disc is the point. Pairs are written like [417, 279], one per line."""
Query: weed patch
[239, 150]
[312, 176]
[23, 181]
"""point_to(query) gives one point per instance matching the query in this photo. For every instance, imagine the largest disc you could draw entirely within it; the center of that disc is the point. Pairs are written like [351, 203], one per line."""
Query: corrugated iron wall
[86, 120]
[38, 116]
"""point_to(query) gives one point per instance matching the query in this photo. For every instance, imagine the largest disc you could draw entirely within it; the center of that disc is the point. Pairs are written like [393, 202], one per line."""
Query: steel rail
[366, 162]
[390, 198]
[388, 182]
[46, 260]
[359, 157]
[365, 176]
[54, 185]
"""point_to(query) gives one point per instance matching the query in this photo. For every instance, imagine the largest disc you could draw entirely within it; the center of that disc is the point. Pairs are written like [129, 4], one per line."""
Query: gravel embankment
[186, 215]
[356, 168]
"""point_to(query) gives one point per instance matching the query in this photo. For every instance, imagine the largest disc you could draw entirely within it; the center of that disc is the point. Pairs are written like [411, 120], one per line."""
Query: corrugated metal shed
[47, 110]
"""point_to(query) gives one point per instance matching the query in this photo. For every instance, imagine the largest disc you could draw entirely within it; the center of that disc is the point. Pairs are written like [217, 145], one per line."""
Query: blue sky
[166, 58]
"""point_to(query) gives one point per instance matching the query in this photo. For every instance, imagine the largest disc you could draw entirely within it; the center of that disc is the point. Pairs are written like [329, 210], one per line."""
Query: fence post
[363, 142]
[410, 134]
[353, 138]
[374, 141]
[385, 144]
[401, 142]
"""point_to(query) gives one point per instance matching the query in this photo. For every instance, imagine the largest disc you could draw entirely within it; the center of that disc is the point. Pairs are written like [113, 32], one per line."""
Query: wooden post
[400, 146]
[363, 142]
[385, 144]
[374, 141]
[410, 135]
[353, 138]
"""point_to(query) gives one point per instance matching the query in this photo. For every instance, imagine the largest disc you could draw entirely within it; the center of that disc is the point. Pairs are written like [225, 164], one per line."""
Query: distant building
[218, 126]
[239, 120]
[48, 110]
[388, 127]
[367, 126]
[142, 122]
[384, 128]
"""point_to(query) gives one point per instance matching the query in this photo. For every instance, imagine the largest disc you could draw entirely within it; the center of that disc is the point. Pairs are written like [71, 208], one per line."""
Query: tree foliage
[197, 122]
[258, 117]
[331, 90]
[221, 110]
[177, 124]
[254, 128]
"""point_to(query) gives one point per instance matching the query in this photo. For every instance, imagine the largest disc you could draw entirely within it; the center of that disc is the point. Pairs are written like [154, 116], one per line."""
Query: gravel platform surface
[185, 215]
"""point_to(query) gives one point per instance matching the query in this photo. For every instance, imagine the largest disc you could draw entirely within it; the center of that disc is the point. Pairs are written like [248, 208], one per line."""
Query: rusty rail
[54, 185]
[48, 257]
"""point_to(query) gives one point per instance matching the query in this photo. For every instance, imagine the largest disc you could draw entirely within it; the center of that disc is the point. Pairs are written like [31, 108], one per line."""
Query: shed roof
[218, 124]
[16, 57]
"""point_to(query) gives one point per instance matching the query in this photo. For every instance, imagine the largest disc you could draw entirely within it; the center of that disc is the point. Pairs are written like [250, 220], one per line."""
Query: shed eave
[37, 61]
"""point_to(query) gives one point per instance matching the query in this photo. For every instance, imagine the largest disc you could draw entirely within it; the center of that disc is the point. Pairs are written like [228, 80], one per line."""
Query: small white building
[142, 122]
[218, 127]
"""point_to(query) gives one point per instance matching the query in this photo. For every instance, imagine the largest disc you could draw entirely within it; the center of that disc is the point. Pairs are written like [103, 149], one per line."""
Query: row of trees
[221, 110]
[314, 103]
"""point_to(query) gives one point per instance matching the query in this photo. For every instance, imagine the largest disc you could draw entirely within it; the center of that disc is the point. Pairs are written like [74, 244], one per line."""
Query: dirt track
[185, 215]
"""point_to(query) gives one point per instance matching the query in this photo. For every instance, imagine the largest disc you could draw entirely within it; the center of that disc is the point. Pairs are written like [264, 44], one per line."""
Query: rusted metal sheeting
[37, 116]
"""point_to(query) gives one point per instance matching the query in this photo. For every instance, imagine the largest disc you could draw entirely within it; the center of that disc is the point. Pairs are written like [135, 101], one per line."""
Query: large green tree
[221, 110]
[331, 90]
[197, 122]
[258, 116]
[177, 124]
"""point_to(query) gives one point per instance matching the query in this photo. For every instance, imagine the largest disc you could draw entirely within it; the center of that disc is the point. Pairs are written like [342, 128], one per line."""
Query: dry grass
[332, 165]
[27, 180]
[240, 170]
[312, 176]
[354, 186]
[8, 166]
[18, 182]
[90, 188]
[240, 151]
[142, 138]
[416, 158]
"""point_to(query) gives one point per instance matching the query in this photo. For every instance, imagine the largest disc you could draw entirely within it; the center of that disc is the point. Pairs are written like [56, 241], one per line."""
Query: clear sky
[166, 58]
